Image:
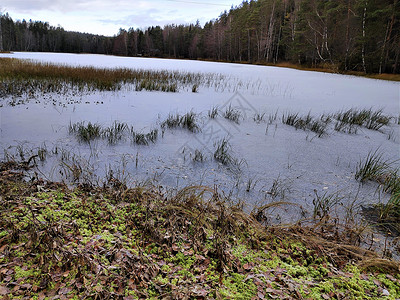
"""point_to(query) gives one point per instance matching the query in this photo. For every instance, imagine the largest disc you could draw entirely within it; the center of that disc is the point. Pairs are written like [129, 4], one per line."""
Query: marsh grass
[115, 133]
[251, 183]
[323, 204]
[172, 121]
[259, 117]
[232, 114]
[272, 117]
[198, 156]
[222, 153]
[86, 133]
[346, 127]
[279, 188]
[187, 121]
[42, 153]
[213, 112]
[18, 77]
[154, 85]
[368, 118]
[145, 139]
[389, 214]
[319, 126]
[374, 167]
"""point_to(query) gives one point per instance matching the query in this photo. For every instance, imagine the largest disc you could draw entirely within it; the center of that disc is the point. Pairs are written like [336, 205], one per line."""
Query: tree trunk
[1, 36]
[248, 45]
[270, 33]
[346, 57]
[383, 48]
[363, 35]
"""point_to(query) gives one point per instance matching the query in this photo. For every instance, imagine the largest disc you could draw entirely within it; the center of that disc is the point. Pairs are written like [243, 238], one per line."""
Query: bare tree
[1, 33]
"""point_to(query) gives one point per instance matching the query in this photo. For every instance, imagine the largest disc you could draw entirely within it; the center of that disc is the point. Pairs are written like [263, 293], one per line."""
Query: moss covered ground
[114, 242]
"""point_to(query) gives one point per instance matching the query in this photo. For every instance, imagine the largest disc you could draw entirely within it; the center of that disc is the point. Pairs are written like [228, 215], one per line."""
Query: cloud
[107, 16]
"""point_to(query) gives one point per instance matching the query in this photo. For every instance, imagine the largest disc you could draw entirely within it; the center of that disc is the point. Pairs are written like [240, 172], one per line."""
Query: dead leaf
[66, 273]
[188, 253]
[270, 291]
[16, 288]
[250, 276]
[200, 292]
[64, 291]
[377, 282]
[26, 286]
[390, 277]
[4, 290]
[200, 257]
[247, 266]
[364, 277]
[41, 296]
[98, 288]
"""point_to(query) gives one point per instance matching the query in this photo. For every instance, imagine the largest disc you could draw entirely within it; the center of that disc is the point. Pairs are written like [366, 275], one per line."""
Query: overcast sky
[108, 16]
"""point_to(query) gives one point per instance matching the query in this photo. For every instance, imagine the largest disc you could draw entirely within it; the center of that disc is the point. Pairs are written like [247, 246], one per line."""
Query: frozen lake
[273, 161]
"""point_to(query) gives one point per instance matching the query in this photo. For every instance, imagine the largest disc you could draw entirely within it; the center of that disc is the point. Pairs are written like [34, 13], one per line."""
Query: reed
[319, 126]
[368, 118]
[23, 76]
[232, 114]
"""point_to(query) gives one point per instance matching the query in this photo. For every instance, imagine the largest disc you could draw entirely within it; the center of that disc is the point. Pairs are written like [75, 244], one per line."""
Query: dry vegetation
[114, 241]
[23, 76]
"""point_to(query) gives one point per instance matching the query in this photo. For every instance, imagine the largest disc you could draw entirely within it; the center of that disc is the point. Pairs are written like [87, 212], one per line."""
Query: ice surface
[296, 160]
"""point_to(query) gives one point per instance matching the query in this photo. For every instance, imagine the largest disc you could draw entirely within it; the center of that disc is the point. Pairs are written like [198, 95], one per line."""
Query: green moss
[235, 286]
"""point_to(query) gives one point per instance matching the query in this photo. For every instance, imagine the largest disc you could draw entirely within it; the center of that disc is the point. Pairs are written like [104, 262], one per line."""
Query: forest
[339, 35]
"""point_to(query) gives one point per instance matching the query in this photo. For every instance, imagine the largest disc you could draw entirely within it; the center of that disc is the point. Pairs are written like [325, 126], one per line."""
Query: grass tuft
[372, 168]
[319, 126]
[187, 121]
[347, 120]
[86, 133]
[115, 133]
[139, 138]
[232, 114]
[213, 112]
[222, 152]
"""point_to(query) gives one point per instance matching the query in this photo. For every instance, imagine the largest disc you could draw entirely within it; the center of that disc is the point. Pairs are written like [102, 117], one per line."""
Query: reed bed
[26, 76]
[113, 134]
[319, 126]
[347, 120]
[187, 121]
[376, 168]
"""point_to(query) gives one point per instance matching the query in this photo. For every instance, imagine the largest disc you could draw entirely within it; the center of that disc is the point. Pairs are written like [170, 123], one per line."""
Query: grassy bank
[327, 68]
[142, 242]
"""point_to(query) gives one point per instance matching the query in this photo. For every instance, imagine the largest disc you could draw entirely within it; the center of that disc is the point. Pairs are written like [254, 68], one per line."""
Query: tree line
[344, 35]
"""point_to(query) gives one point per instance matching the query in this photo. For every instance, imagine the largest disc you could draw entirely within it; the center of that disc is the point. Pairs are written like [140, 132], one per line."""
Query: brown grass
[17, 70]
